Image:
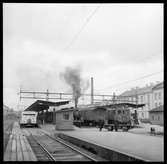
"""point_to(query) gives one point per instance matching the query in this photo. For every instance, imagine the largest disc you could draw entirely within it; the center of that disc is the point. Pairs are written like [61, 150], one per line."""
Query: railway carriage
[28, 118]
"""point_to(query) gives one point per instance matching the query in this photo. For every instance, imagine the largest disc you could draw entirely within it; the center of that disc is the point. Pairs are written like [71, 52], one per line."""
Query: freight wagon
[115, 116]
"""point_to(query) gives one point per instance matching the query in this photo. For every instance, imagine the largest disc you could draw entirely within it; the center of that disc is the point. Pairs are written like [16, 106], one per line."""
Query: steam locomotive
[114, 116]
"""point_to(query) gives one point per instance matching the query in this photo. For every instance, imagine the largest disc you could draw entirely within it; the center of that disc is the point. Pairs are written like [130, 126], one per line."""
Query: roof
[65, 110]
[40, 105]
[134, 92]
[126, 104]
[157, 109]
[113, 106]
[158, 86]
[29, 111]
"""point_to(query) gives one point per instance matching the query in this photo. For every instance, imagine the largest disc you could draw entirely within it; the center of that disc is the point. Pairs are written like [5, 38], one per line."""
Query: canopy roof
[112, 106]
[157, 109]
[41, 105]
[125, 104]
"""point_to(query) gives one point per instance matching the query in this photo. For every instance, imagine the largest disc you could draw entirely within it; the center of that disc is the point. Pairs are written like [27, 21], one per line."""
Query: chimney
[91, 90]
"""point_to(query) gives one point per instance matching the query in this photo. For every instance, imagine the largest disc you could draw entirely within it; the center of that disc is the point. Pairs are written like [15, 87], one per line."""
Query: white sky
[120, 42]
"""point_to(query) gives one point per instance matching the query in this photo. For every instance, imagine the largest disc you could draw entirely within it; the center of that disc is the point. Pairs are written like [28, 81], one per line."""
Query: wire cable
[136, 79]
[82, 27]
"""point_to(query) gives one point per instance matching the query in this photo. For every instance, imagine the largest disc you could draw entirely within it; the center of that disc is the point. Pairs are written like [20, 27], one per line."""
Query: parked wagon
[115, 115]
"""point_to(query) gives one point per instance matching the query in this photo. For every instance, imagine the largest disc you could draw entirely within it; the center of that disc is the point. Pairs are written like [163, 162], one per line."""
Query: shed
[64, 119]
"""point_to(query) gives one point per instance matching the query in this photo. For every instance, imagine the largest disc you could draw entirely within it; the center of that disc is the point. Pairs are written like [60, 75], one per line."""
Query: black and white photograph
[83, 82]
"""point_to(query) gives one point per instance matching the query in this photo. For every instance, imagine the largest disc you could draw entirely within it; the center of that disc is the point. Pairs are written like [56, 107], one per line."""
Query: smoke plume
[72, 77]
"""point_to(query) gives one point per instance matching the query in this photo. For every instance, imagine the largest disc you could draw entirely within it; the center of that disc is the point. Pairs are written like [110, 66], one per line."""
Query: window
[66, 116]
[155, 96]
[159, 95]
[158, 118]
[159, 103]
[152, 117]
[155, 104]
[148, 98]
[141, 98]
[28, 114]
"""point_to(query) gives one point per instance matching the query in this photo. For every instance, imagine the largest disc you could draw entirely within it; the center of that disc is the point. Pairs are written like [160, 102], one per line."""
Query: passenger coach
[28, 118]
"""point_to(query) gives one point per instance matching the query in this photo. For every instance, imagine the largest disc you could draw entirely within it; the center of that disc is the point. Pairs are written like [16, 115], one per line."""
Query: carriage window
[66, 116]
[119, 112]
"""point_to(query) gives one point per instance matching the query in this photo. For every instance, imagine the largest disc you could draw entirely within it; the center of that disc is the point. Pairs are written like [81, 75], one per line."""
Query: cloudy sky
[115, 43]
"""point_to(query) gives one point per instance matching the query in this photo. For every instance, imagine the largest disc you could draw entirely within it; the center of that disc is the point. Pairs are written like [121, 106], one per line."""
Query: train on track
[28, 118]
[114, 116]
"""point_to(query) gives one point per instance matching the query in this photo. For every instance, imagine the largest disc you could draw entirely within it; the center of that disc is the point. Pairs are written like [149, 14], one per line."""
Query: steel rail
[78, 151]
[43, 148]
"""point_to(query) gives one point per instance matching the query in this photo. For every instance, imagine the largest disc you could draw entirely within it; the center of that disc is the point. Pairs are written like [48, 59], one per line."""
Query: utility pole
[47, 95]
[136, 118]
[91, 90]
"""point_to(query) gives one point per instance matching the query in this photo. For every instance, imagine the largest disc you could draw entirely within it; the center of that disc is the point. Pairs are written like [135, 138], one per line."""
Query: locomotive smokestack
[91, 90]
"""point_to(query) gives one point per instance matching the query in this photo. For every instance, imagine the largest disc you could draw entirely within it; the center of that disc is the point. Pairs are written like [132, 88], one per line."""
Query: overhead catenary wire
[83, 26]
[135, 79]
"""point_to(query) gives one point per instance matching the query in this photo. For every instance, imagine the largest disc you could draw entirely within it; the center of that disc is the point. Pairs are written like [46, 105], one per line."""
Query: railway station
[105, 145]
[83, 82]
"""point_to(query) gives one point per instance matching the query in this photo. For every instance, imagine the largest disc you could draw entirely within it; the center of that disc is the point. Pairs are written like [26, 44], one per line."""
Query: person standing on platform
[101, 124]
[116, 125]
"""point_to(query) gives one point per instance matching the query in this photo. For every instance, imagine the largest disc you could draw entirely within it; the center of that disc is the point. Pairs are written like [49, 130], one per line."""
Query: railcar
[115, 116]
[28, 118]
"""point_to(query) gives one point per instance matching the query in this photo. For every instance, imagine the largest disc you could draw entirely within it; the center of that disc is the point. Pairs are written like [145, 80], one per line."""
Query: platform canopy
[94, 107]
[41, 105]
[125, 104]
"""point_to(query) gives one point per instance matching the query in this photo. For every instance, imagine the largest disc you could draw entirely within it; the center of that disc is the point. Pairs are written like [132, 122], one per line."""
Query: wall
[155, 121]
[157, 99]
[62, 123]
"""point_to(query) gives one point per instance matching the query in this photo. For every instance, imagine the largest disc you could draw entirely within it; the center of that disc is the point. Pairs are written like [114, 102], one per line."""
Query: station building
[64, 119]
[150, 95]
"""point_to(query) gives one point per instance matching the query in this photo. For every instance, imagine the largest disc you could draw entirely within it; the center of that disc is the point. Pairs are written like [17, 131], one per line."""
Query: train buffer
[18, 148]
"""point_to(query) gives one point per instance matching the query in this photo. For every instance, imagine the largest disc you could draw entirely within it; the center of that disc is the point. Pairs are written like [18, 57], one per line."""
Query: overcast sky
[119, 42]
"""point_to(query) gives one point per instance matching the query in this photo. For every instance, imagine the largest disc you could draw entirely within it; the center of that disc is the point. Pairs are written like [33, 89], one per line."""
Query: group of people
[101, 125]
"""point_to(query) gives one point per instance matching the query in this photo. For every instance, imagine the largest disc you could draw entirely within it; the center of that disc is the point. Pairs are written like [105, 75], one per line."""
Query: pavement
[145, 129]
[149, 148]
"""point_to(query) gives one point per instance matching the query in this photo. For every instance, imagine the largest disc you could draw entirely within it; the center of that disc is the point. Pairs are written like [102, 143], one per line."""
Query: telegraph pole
[91, 90]
[136, 118]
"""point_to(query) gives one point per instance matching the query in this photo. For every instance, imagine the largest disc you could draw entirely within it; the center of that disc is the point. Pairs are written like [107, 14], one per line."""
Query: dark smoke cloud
[72, 77]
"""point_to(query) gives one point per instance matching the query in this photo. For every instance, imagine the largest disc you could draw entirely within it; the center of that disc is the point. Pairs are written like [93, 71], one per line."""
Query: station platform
[18, 148]
[142, 147]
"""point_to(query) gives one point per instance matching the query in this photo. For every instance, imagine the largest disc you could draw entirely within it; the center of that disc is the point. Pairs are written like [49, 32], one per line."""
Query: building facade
[156, 115]
[150, 95]
[158, 95]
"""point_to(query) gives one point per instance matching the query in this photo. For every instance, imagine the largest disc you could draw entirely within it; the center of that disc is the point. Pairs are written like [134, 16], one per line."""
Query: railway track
[48, 148]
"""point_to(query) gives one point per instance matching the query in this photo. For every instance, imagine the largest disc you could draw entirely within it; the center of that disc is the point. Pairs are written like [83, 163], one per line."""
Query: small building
[156, 115]
[64, 119]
